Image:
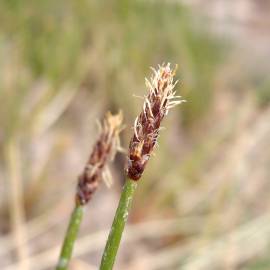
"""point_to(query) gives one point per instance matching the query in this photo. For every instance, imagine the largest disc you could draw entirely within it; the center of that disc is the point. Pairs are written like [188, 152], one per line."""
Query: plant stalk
[118, 225]
[70, 238]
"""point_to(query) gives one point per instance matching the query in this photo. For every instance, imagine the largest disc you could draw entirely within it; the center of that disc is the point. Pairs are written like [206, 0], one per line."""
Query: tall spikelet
[104, 151]
[160, 99]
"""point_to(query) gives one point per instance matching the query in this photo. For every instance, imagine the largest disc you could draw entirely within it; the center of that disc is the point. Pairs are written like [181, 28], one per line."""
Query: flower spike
[104, 151]
[160, 99]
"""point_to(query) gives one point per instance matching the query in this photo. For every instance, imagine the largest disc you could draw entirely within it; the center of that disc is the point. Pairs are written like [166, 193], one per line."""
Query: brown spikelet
[104, 151]
[160, 99]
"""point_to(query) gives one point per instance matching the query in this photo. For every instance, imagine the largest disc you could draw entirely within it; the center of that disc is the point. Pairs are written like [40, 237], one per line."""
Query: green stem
[118, 225]
[70, 238]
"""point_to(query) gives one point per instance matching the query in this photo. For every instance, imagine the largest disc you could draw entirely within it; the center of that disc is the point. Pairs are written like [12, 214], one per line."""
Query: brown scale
[91, 176]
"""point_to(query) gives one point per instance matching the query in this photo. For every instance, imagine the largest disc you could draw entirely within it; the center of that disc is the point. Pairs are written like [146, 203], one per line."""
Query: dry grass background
[204, 200]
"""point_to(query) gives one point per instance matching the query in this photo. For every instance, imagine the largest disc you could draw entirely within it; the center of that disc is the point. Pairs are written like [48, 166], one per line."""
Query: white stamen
[135, 128]
[107, 177]
[140, 97]
[147, 102]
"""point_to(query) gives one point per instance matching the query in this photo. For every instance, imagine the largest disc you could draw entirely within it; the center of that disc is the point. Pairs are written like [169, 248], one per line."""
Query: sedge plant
[104, 151]
[160, 99]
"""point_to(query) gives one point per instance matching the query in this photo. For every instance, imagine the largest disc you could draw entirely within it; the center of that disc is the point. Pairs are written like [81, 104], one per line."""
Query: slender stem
[118, 225]
[70, 238]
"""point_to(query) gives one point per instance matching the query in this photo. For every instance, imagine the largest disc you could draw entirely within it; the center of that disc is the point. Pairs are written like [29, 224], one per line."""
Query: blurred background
[203, 202]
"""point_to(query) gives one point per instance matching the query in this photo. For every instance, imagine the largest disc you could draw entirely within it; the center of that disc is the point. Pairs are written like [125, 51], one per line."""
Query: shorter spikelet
[104, 151]
[160, 99]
